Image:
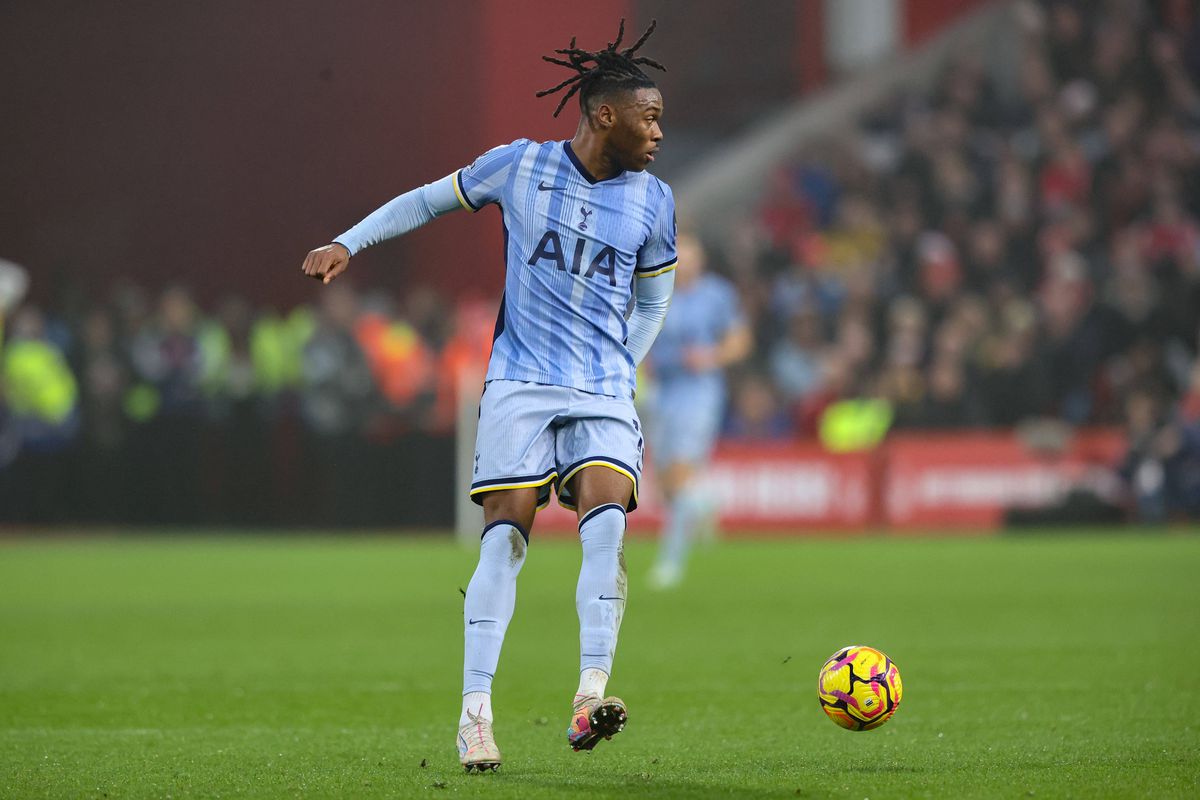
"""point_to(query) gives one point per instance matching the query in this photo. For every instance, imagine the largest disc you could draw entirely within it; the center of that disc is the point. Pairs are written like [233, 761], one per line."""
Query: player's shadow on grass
[640, 784]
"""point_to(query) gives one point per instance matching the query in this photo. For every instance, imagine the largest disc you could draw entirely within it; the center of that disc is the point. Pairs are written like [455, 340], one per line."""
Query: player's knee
[508, 544]
[600, 486]
[515, 505]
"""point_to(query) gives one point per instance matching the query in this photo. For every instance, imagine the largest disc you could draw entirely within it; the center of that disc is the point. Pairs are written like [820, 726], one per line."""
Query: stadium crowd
[984, 254]
[305, 416]
[978, 255]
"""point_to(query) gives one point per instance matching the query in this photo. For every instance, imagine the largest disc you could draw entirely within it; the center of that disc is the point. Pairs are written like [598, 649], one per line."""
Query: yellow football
[859, 688]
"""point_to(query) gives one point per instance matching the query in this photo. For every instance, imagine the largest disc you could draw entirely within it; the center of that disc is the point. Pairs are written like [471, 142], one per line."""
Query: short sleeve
[657, 255]
[484, 180]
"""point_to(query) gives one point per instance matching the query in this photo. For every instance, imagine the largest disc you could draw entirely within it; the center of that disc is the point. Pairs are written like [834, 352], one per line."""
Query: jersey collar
[583, 171]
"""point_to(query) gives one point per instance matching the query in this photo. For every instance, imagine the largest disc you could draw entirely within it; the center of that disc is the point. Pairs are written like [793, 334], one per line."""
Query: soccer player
[585, 228]
[704, 334]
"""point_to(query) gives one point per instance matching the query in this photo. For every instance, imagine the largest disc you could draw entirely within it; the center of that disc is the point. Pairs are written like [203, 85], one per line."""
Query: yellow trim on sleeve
[458, 193]
[667, 268]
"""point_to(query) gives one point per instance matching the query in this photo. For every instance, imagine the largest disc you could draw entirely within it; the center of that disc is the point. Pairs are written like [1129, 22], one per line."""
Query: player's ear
[606, 116]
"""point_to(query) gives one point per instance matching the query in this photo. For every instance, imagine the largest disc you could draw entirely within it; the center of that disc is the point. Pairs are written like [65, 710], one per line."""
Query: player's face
[636, 133]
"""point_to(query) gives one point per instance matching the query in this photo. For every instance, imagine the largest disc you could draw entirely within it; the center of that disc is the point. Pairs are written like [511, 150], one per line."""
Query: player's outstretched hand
[326, 263]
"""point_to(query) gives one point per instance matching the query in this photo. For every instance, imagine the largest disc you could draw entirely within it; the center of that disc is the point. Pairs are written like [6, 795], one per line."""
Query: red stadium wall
[964, 482]
[970, 480]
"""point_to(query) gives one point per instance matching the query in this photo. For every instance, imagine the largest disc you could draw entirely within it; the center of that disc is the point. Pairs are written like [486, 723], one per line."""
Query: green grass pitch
[263, 667]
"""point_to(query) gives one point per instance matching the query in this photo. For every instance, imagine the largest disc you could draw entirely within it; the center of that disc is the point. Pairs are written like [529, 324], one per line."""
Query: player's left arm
[654, 280]
[651, 299]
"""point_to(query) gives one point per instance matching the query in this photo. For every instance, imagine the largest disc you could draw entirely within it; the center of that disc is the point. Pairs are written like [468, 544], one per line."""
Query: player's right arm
[405, 213]
[470, 188]
[736, 340]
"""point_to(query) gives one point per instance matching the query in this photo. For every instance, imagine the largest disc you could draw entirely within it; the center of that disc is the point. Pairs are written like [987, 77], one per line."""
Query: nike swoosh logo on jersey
[542, 187]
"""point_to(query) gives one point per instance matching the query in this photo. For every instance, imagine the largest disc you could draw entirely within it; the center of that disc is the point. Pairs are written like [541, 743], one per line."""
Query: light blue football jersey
[573, 245]
[701, 315]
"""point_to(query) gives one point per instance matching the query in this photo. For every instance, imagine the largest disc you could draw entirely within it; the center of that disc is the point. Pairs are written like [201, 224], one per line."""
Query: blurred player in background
[704, 334]
[585, 227]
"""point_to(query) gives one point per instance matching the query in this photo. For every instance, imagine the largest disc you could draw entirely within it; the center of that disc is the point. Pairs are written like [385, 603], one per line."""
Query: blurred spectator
[104, 379]
[228, 375]
[167, 355]
[939, 272]
[338, 390]
[1074, 341]
[1189, 407]
[1162, 466]
[240, 378]
[795, 360]
[401, 365]
[463, 361]
[40, 398]
[1013, 383]
[987, 259]
[14, 281]
[168, 365]
[339, 397]
[852, 425]
[40, 390]
[949, 402]
[755, 413]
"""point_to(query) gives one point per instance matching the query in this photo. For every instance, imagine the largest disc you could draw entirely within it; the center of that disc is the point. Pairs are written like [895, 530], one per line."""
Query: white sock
[477, 704]
[600, 595]
[491, 597]
[592, 681]
[684, 512]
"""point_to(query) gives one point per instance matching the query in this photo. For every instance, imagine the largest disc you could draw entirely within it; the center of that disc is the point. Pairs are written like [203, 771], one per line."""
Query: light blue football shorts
[535, 435]
[683, 423]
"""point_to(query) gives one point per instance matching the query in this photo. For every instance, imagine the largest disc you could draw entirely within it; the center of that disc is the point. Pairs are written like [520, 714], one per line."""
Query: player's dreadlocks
[604, 70]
